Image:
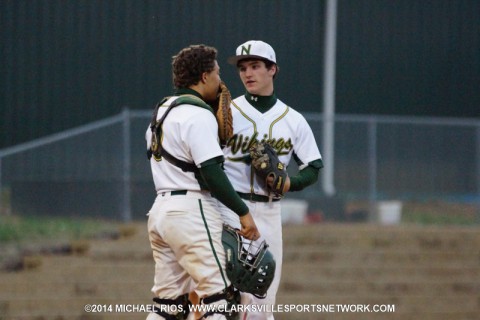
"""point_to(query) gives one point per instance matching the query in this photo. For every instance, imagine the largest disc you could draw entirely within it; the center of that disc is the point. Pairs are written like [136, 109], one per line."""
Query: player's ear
[204, 77]
[273, 70]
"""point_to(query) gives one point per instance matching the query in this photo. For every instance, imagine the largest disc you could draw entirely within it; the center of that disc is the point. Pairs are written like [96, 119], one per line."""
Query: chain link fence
[101, 169]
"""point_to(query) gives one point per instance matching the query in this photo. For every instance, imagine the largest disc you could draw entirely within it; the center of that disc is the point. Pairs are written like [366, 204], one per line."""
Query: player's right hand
[249, 228]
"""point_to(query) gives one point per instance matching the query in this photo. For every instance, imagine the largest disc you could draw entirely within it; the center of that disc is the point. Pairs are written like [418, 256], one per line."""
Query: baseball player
[184, 223]
[258, 116]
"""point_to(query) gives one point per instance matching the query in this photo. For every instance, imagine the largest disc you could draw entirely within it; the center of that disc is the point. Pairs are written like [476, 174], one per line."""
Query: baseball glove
[266, 164]
[223, 113]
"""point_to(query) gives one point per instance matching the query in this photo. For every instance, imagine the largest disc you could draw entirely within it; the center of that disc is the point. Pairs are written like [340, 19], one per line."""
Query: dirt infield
[331, 271]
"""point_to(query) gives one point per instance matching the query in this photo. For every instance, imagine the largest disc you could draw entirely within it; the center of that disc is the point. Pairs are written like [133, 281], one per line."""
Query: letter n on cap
[246, 50]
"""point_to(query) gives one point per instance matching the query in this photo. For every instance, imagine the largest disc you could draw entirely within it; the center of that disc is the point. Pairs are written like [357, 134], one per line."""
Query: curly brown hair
[190, 63]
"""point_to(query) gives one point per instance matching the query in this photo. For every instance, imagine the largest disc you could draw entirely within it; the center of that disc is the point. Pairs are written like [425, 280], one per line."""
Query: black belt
[175, 193]
[247, 196]
[178, 192]
[256, 197]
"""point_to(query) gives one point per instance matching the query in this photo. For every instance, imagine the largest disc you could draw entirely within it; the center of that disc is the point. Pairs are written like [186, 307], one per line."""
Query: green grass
[439, 213]
[426, 218]
[19, 229]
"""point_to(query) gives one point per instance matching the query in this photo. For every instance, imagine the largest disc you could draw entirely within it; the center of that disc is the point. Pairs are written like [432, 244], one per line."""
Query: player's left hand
[223, 113]
[268, 167]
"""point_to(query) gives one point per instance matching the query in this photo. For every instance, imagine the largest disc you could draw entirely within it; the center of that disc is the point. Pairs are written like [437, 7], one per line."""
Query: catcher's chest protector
[156, 150]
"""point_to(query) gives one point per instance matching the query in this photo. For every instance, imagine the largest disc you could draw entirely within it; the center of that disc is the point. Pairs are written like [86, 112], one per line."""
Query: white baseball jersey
[184, 139]
[286, 129]
[185, 229]
[288, 132]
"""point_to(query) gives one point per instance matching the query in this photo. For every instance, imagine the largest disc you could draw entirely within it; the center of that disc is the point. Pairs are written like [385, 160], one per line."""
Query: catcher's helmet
[250, 267]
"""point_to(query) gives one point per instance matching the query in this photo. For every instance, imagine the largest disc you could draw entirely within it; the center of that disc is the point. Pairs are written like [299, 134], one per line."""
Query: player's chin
[211, 97]
[251, 88]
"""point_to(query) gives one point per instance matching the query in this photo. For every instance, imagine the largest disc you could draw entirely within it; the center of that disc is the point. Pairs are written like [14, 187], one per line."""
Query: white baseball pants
[267, 216]
[185, 233]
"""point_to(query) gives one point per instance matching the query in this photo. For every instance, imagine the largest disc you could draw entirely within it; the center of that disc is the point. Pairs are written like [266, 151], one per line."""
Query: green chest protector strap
[156, 149]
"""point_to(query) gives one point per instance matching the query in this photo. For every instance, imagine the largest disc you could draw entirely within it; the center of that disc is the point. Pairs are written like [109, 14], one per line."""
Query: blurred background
[389, 87]
[79, 80]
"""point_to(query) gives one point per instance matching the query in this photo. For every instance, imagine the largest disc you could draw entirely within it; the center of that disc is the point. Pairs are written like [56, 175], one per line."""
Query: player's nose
[248, 72]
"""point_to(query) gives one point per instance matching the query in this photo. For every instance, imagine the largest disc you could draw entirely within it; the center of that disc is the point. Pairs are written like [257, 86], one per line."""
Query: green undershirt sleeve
[221, 188]
[305, 177]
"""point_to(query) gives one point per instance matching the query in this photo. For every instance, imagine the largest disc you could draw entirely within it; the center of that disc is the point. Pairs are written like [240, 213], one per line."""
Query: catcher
[184, 223]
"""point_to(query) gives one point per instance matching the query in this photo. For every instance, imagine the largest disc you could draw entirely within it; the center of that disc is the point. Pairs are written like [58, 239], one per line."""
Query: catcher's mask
[250, 266]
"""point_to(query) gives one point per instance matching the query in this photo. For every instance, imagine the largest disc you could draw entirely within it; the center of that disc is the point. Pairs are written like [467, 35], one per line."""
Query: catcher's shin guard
[173, 309]
[230, 310]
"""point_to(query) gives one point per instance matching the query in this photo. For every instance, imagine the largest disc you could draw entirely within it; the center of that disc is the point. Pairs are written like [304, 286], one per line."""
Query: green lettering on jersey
[241, 144]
